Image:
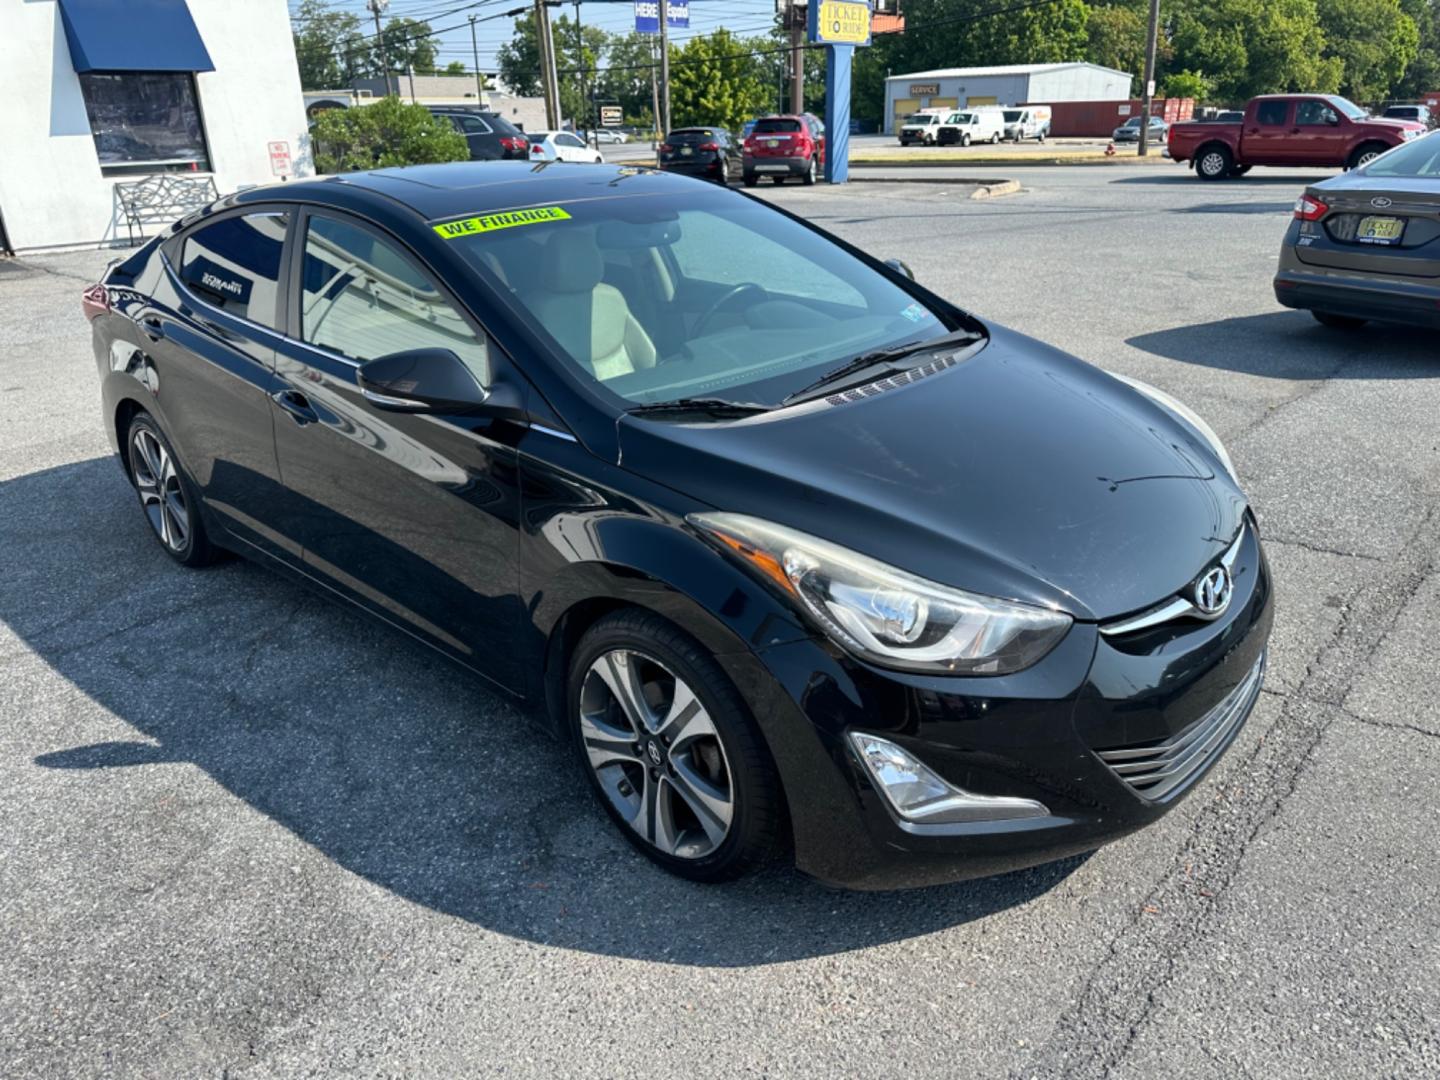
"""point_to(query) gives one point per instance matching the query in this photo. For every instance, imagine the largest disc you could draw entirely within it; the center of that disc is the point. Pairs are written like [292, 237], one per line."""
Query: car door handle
[152, 327]
[297, 405]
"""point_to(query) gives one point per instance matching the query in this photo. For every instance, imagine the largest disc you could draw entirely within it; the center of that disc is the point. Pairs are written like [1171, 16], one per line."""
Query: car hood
[1021, 473]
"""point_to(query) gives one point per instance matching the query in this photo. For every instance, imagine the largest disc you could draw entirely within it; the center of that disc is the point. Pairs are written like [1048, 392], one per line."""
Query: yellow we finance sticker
[453, 230]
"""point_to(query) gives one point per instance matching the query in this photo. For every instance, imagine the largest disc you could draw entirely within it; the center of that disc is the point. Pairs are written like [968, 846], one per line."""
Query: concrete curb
[1008, 162]
[985, 188]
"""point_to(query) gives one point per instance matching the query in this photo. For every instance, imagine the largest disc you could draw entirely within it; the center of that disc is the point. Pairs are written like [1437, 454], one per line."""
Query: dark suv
[706, 152]
[491, 137]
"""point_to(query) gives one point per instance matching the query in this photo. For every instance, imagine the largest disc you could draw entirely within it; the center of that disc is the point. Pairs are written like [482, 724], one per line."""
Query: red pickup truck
[1288, 129]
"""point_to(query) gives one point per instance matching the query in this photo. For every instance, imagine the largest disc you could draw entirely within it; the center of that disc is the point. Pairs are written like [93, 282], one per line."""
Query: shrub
[386, 133]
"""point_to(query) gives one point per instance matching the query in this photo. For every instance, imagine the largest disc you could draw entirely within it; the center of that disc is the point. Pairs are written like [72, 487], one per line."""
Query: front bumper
[776, 166]
[695, 167]
[1038, 734]
[1414, 302]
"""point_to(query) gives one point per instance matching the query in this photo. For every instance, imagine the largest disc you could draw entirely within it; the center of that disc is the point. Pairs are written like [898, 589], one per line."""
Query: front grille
[1155, 769]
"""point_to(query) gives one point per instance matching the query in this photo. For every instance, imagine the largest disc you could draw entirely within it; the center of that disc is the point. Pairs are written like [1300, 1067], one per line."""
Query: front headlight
[1187, 415]
[885, 615]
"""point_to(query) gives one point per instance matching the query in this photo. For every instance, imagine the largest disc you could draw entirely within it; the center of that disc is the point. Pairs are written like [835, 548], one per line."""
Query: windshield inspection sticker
[915, 313]
[453, 230]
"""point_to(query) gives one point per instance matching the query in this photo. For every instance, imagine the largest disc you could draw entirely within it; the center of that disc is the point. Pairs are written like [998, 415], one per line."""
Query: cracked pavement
[247, 833]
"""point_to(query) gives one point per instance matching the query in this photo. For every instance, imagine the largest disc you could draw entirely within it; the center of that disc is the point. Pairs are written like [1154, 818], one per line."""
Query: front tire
[671, 750]
[1214, 163]
[965, 139]
[167, 497]
[1365, 154]
[1338, 322]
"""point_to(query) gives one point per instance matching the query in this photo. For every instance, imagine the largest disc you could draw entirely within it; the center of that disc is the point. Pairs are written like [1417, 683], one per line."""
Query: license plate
[1379, 230]
[686, 151]
[772, 143]
[772, 168]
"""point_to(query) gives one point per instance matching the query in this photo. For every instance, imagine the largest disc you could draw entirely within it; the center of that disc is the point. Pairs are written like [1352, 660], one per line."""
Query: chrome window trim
[552, 431]
[1177, 607]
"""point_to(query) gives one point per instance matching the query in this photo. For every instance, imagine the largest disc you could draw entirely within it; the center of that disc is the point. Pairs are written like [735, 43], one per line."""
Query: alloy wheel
[1213, 163]
[161, 496]
[656, 754]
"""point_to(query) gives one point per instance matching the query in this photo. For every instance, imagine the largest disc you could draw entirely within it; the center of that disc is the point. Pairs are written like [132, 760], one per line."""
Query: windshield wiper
[710, 405]
[882, 356]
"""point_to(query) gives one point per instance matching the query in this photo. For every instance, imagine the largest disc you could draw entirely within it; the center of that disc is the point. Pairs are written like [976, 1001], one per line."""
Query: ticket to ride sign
[840, 22]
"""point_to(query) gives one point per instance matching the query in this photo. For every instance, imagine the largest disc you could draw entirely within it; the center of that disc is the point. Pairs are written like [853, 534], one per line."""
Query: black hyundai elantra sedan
[799, 556]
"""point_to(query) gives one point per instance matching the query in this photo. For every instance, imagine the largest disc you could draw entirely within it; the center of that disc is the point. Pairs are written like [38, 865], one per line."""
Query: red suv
[784, 146]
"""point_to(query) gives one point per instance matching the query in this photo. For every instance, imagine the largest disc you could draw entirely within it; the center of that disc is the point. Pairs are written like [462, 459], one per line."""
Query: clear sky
[742, 17]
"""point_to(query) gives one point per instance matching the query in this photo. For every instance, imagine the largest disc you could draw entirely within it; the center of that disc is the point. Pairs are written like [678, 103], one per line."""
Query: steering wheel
[721, 303]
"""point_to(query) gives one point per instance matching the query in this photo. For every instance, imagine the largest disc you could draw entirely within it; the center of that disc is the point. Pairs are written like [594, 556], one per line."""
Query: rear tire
[809, 178]
[1214, 163]
[167, 497]
[1338, 322]
[671, 750]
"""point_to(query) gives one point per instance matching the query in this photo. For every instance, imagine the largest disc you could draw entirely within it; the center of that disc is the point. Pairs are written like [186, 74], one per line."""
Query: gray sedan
[1130, 130]
[1366, 244]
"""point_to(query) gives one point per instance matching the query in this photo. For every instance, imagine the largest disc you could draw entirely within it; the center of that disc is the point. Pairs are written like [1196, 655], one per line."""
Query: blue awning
[133, 35]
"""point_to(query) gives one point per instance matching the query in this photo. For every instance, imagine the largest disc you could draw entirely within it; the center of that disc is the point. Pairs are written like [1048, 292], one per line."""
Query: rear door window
[473, 125]
[234, 264]
[1272, 113]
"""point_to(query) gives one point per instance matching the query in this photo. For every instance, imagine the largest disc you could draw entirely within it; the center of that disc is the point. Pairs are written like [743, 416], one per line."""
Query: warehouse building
[152, 101]
[1010, 85]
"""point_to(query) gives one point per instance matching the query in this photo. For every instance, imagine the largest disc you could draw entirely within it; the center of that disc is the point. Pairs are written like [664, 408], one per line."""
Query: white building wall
[1079, 84]
[51, 190]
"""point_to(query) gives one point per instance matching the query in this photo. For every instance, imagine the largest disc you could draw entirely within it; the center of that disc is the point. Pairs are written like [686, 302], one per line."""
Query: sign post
[839, 25]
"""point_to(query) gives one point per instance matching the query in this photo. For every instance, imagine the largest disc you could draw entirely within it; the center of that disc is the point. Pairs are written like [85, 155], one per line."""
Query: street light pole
[1150, 44]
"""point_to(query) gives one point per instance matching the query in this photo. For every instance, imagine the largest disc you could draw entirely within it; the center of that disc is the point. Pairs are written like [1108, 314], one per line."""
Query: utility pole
[665, 67]
[376, 8]
[655, 101]
[1150, 43]
[797, 57]
[546, 44]
[580, 61]
[475, 51]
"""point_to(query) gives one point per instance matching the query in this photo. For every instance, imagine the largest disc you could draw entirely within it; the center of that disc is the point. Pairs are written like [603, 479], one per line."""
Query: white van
[920, 127]
[966, 126]
[1027, 122]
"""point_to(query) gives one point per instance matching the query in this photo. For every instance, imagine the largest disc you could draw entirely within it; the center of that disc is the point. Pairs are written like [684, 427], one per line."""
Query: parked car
[489, 136]
[1130, 130]
[1027, 122]
[782, 147]
[1421, 114]
[1289, 129]
[561, 146]
[920, 127]
[610, 135]
[707, 152]
[1366, 245]
[909, 662]
[971, 126]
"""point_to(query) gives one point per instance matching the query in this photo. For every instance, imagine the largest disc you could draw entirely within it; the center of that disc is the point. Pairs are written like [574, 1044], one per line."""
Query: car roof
[478, 187]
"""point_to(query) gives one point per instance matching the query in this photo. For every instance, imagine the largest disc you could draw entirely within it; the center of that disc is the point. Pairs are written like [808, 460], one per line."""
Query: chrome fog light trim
[918, 795]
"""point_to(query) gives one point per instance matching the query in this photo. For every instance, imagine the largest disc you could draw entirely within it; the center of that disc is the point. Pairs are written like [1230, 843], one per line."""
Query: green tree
[330, 49]
[1375, 41]
[389, 132]
[965, 33]
[1186, 84]
[519, 62]
[455, 67]
[1423, 74]
[409, 45]
[1116, 38]
[1251, 47]
[626, 78]
[712, 83]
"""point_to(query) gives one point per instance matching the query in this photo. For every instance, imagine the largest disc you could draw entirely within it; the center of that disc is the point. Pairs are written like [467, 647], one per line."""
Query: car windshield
[1134, 122]
[961, 118]
[1420, 158]
[1349, 108]
[1012, 115]
[661, 297]
[776, 125]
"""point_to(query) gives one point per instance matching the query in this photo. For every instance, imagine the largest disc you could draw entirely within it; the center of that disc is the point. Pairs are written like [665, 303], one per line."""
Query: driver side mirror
[900, 268]
[418, 380]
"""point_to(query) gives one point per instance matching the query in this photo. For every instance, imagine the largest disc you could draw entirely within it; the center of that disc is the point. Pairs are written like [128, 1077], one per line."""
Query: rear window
[500, 124]
[689, 136]
[776, 126]
[1420, 158]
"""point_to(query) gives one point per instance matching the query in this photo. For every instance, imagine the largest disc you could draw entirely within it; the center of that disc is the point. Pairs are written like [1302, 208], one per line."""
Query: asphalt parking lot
[248, 834]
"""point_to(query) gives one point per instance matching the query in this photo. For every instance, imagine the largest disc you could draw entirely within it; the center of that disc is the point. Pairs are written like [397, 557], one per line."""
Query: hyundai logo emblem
[654, 752]
[1212, 592]
[1380, 202]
